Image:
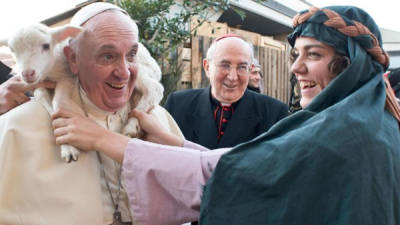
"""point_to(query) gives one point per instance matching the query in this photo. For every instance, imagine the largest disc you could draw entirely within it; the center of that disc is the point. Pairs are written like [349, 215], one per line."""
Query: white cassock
[38, 188]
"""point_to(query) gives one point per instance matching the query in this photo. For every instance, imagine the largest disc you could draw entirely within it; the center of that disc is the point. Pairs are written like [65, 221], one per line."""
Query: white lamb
[38, 51]
[148, 90]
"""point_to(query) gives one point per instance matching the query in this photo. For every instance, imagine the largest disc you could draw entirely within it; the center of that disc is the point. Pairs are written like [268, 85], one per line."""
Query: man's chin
[114, 107]
[231, 98]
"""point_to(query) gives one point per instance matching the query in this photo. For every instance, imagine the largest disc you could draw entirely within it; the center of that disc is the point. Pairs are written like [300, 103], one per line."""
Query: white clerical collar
[225, 104]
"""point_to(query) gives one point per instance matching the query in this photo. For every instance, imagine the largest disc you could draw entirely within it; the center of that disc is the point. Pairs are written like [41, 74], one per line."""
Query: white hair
[211, 50]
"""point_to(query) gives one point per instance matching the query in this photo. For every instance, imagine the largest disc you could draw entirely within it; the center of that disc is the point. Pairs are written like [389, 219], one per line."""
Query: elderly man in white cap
[36, 185]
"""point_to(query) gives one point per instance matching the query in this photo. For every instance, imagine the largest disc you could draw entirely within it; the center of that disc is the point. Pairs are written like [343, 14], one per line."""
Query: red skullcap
[228, 36]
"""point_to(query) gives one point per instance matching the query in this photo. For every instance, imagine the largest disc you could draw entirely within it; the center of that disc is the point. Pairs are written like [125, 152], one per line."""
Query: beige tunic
[38, 188]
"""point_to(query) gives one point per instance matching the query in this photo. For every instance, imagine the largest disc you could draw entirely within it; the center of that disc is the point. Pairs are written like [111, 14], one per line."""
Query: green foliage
[165, 24]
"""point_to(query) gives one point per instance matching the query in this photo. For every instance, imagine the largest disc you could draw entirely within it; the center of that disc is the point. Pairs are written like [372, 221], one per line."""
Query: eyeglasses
[241, 70]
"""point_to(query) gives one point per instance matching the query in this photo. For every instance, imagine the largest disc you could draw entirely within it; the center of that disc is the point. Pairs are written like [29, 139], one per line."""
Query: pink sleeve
[194, 146]
[164, 183]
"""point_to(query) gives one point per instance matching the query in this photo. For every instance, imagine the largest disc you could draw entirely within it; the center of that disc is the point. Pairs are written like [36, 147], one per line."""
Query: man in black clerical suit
[226, 113]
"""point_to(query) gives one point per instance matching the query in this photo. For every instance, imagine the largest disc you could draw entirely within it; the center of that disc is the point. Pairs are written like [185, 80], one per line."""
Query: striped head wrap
[354, 29]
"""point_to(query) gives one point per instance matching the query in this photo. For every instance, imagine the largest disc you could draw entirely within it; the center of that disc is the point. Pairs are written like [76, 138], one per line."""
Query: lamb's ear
[3, 42]
[61, 33]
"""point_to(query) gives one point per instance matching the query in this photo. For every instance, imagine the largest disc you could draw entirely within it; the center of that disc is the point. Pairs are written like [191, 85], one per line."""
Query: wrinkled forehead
[233, 46]
[111, 22]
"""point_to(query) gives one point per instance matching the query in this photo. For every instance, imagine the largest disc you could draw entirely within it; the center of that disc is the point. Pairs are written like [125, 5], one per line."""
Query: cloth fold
[334, 162]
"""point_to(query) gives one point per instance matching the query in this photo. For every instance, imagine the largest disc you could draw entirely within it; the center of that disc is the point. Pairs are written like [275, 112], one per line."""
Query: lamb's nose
[29, 75]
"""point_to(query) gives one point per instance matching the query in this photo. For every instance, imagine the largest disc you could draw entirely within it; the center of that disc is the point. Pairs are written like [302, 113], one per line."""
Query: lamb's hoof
[69, 154]
[140, 134]
[132, 129]
[70, 158]
[132, 133]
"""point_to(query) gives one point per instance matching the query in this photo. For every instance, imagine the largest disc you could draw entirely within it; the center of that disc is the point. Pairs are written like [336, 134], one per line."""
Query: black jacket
[254, 114]
[255, 89]
[4, 72]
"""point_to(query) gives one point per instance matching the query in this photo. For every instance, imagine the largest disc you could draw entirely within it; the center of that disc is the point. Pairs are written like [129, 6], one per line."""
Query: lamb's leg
[69, 153]
[61, 99]
[151, 95]
[42, 95]
[132, 128]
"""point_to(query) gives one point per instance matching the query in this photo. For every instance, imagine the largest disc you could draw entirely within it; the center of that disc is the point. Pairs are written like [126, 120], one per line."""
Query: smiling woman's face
[311, 67]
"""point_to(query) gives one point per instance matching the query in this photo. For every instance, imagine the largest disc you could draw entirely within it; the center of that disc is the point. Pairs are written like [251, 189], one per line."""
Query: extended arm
[85, 134]
[165, 183]
[12, 92]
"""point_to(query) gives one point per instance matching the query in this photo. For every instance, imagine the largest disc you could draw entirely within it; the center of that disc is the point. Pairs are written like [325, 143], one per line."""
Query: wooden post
[196, 63]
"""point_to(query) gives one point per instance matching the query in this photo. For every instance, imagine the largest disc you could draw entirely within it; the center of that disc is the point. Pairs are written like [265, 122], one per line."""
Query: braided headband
[336, 21]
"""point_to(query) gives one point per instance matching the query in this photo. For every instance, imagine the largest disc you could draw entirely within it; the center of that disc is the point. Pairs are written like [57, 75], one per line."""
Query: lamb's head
[33, 47]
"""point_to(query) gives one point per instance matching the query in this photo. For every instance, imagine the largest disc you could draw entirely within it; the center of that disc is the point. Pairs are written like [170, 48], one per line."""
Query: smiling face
[229, 85]
[311, 67]
[105, 59]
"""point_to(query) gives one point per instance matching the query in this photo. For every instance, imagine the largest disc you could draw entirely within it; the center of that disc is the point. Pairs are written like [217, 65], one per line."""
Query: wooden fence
[276, 71]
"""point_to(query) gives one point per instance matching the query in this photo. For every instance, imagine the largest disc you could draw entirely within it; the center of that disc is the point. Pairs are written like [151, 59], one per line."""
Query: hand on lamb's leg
[85, 134]
[74, 131]
[154, 130]
[69, 153]
[132, 128]
[149, 91]
[152, 94]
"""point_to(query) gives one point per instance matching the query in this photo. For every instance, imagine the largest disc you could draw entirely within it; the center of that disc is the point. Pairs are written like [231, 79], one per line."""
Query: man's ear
[252, 66]
[71, 59]
[206, 66]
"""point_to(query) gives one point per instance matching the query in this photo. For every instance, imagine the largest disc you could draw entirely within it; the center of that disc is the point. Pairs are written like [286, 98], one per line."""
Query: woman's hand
[12, 92]
[153, 129]
[85, 134]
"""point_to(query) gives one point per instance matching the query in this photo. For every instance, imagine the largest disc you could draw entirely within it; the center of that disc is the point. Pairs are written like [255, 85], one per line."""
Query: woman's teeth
[307, 84]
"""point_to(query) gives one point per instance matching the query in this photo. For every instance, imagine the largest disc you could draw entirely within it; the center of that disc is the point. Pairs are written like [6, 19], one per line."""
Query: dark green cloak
[335, 162]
